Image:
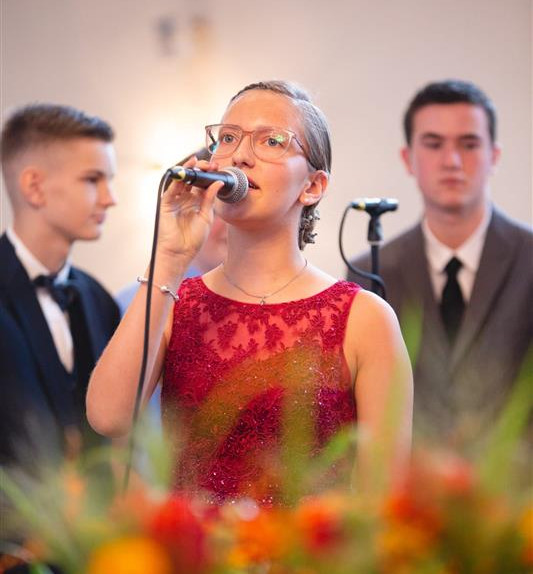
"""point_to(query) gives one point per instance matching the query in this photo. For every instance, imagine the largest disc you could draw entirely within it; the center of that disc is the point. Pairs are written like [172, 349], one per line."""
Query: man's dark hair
[39, 124]
[449, 92]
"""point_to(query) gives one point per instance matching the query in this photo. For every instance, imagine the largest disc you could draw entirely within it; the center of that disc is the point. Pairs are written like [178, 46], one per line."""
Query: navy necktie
[452, 304]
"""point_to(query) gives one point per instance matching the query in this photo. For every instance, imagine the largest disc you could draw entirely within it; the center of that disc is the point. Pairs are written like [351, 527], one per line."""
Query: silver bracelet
[163, 288]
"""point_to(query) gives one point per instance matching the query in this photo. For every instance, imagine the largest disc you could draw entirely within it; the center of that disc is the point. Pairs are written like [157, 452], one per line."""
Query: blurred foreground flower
[448, 515]
[439, 520]
[130, 555]
[176, 526]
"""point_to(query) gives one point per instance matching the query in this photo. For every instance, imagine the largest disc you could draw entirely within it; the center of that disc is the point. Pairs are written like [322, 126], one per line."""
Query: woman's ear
[30, 185]
[315, 188]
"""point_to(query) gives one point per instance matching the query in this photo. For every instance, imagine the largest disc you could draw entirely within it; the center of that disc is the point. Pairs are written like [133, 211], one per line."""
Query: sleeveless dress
[251, 391]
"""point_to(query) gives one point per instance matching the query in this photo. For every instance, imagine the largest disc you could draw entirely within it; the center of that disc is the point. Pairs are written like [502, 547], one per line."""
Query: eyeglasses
[268, 143]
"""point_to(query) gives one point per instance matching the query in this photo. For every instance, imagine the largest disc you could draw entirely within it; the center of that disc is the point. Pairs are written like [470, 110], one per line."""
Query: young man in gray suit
[461, 280]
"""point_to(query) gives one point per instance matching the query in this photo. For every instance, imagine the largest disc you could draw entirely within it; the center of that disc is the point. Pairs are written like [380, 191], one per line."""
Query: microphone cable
[163, 185]
[366, 274]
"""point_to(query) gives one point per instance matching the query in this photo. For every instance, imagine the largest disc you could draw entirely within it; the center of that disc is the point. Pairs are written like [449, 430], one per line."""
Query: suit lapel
[97, 335]
[417, 282]
[494, 265]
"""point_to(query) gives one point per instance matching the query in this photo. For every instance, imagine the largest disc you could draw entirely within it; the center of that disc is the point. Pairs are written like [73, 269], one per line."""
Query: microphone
[375, 205]
[235, 181]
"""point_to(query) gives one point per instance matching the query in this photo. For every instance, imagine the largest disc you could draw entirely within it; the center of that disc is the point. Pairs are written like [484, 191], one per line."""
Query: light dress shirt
[469, 253]
[57, 320]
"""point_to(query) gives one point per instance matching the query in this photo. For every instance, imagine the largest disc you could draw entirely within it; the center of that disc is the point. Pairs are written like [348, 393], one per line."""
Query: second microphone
[235, 181]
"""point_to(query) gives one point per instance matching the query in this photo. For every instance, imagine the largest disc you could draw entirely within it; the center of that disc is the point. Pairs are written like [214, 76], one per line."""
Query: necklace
[262, 298]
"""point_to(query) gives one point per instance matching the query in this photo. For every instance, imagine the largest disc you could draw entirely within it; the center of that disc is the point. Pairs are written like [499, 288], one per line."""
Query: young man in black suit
[465, 270]
[55, 320]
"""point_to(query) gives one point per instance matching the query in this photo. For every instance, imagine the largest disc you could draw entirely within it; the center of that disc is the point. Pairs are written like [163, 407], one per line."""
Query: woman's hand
[186, 216]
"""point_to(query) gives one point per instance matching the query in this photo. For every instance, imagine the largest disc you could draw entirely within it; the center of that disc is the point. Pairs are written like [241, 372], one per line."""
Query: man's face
[451, 156]
[76, 187]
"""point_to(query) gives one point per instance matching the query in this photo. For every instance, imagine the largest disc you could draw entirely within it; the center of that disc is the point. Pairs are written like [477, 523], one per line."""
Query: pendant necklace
[262, 298]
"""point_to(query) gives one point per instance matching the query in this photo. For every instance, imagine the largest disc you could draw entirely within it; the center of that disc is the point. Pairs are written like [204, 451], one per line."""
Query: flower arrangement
[440, 520]
[448, 515]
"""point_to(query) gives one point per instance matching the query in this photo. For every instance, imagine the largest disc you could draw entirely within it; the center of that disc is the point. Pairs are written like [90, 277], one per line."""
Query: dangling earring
[308, 219]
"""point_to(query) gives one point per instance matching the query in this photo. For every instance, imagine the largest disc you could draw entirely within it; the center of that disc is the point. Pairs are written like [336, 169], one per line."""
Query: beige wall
[361, 59]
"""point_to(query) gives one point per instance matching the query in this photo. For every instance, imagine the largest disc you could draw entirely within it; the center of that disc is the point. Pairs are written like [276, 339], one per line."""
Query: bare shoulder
[368, 308]
[372, 320]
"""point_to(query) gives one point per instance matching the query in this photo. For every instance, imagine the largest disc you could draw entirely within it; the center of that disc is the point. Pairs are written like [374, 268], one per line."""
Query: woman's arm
[383, 390]
[185, 219]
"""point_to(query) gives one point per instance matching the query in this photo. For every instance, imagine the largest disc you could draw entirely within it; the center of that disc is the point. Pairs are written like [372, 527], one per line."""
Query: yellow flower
[130, 555]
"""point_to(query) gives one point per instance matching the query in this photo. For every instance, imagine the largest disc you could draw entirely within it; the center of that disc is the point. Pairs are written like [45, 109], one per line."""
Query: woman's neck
[260, 265]
[270, 253]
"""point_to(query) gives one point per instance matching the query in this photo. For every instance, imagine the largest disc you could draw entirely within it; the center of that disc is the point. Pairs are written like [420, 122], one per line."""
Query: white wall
[362, 60]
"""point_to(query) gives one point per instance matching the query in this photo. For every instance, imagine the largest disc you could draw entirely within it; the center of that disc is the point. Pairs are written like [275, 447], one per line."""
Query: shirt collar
[31, 264]
[469, 253]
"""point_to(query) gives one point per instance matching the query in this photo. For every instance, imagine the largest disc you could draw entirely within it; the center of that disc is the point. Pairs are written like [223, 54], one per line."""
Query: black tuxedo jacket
[464, 385]
[35, 389]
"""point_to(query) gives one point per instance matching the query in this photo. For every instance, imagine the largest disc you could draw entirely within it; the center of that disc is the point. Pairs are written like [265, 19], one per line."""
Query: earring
[308, 219]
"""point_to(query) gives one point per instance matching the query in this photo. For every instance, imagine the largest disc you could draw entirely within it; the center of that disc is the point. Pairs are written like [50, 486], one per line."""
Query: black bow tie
[62, 293]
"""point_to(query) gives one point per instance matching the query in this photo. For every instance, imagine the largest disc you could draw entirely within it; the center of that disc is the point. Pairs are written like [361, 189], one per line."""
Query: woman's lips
[252, 184]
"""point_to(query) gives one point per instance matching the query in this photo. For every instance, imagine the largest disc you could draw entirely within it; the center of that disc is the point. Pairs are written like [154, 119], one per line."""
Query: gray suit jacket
[462, 387]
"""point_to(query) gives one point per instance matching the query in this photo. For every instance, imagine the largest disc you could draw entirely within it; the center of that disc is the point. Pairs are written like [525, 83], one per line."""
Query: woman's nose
[244, 154]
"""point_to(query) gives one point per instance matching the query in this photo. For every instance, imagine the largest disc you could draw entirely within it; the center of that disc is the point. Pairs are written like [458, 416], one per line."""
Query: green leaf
[497, 460]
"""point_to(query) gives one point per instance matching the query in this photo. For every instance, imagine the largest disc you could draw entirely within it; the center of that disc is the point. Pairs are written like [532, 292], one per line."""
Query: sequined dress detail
[248, 389]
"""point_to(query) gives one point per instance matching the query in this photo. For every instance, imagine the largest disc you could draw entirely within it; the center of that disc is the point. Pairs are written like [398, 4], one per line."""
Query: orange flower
[526, 529]
[412, 524]
[75, 489]
[135, 507]
[454, 474]
[404, 507]
[441, 473]
[263, 538]
[403, 545]
[180, 530]
[130, 555]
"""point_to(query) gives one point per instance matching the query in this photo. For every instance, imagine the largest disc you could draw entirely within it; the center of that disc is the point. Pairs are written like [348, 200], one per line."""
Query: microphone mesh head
[238, 191]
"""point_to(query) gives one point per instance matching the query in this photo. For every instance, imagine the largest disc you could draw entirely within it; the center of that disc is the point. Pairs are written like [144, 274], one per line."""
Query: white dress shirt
[469, 253]
[56, 319]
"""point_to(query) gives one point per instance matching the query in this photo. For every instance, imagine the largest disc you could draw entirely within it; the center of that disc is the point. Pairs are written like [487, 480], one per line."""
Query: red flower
[180, 530]
[320, 521]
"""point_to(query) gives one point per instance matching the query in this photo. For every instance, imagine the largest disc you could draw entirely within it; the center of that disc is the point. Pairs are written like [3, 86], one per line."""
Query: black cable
[372, 276]
[163, 184]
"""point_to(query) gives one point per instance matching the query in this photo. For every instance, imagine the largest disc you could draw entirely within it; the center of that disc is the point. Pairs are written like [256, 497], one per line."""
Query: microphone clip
[375, 206]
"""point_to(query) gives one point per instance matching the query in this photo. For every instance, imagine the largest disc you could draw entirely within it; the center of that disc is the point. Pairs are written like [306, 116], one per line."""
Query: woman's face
[276, 187]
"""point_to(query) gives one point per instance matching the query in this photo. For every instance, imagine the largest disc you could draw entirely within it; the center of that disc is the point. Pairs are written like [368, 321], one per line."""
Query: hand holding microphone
[187, 212]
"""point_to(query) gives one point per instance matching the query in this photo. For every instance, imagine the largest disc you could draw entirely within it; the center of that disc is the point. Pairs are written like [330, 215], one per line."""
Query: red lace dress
[250, 391]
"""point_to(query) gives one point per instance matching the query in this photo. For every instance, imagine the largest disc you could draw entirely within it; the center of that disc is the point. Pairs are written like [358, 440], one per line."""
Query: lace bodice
[246, 385]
